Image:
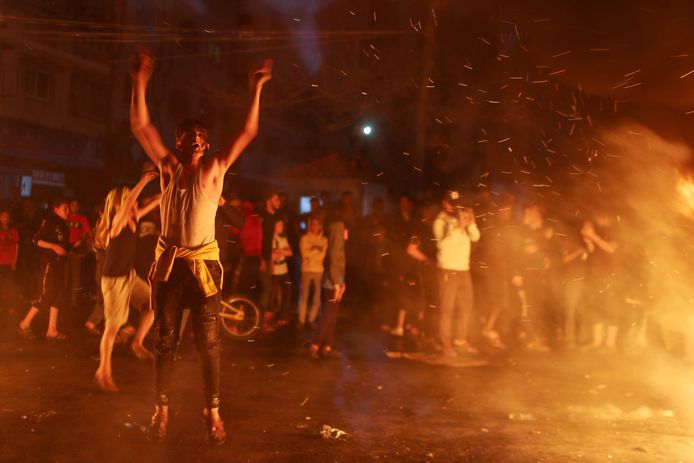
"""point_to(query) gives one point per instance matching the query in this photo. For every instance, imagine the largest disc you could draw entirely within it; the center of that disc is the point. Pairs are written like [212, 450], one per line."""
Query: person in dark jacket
[53, 239]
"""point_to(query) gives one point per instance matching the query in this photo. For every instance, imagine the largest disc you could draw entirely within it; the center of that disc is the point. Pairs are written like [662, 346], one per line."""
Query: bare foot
[105, 383]
[140, 351]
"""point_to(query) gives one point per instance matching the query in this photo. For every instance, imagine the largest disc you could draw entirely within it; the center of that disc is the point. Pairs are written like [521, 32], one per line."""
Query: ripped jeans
[169, 298]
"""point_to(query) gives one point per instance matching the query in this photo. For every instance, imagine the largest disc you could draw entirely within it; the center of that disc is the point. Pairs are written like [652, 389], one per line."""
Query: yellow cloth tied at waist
[164, 257]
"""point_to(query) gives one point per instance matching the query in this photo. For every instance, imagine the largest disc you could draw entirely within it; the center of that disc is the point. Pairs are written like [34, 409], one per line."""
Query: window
[37, 83]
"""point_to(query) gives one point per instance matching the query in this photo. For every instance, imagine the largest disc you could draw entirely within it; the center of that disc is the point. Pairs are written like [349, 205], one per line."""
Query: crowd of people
[441, 276]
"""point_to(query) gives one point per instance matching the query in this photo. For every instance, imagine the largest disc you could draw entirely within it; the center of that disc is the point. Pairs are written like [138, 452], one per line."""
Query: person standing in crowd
[251, 238]
[27, 222]
[9, 251]
[602, 245]
[422, 248]
[371, 278]
[187, 270]
[333, 290]
[281, 282]
[529, 270]
[228, 219]
[268, 216]
[313, 246]
[574, 258]
[148, 231]
[53, 239]
[455, 230]
[80, 232]
[99, 239]
[494, 269]
[118, 274]
[401, 267]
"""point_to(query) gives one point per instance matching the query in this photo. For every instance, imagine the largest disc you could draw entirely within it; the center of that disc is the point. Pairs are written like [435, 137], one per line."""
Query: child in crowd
[313, 246]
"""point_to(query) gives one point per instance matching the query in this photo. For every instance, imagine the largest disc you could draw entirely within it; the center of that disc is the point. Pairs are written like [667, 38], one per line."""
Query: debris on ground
[514, 416]
[611, 412]
[40, 416]
[135, 426]
[328, 432]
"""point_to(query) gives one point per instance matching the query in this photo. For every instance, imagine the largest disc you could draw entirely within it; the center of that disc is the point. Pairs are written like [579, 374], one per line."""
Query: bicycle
[240, 317]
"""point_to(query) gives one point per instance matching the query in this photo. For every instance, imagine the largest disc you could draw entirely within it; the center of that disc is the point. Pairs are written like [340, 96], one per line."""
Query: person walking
[118, 273]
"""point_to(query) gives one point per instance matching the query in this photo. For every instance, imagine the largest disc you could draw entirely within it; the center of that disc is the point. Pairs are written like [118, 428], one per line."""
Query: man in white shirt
[454, 230]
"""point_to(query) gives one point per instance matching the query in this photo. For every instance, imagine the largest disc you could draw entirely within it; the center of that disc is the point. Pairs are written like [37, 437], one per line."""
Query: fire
[685, 187]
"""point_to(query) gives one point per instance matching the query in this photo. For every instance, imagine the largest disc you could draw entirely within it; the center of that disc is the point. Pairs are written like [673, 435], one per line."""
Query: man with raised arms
[187, 272]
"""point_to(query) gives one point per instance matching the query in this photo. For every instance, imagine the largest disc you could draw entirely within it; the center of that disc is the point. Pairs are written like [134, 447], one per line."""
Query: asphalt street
[521, 407]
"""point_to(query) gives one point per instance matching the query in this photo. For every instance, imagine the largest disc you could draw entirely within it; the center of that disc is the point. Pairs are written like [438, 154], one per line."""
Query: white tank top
[187, 215]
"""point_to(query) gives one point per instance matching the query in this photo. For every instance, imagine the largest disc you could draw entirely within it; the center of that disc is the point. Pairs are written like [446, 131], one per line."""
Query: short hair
[59, 201]
[189, 124]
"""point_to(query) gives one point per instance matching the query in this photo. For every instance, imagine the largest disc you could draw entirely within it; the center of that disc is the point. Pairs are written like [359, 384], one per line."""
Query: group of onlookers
[452, 275]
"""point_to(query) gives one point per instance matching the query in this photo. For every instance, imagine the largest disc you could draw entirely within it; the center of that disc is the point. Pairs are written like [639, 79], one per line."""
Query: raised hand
[141, 64]
[262, 75]
[148, 175]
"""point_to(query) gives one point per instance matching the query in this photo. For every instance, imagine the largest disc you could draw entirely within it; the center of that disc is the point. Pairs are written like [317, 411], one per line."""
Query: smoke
[640, 179]
[300, 18]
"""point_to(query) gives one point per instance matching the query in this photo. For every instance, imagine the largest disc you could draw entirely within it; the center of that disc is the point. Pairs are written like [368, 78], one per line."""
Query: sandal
[57, 337]
[26, 334]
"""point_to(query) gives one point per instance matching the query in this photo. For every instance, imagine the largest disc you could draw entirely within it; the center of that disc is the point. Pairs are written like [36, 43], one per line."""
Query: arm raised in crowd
[228, 156]
[594, 240]
[154, 202]
[120, 220]
[142, 66]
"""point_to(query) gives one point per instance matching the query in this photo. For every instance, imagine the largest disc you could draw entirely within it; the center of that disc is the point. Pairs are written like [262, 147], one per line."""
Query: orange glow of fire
[686, 189]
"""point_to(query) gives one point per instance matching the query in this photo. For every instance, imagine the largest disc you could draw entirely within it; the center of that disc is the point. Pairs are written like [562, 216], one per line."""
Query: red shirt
[79, 226]
[8, 245]
[251, 233]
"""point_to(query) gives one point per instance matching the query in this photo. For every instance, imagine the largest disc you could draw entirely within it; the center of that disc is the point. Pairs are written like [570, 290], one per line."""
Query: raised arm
[229, 155]
[142, 66]
[123, 214]
[149, 207]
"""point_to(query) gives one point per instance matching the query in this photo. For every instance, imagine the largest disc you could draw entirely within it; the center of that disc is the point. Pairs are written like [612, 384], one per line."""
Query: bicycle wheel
[240, 317]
